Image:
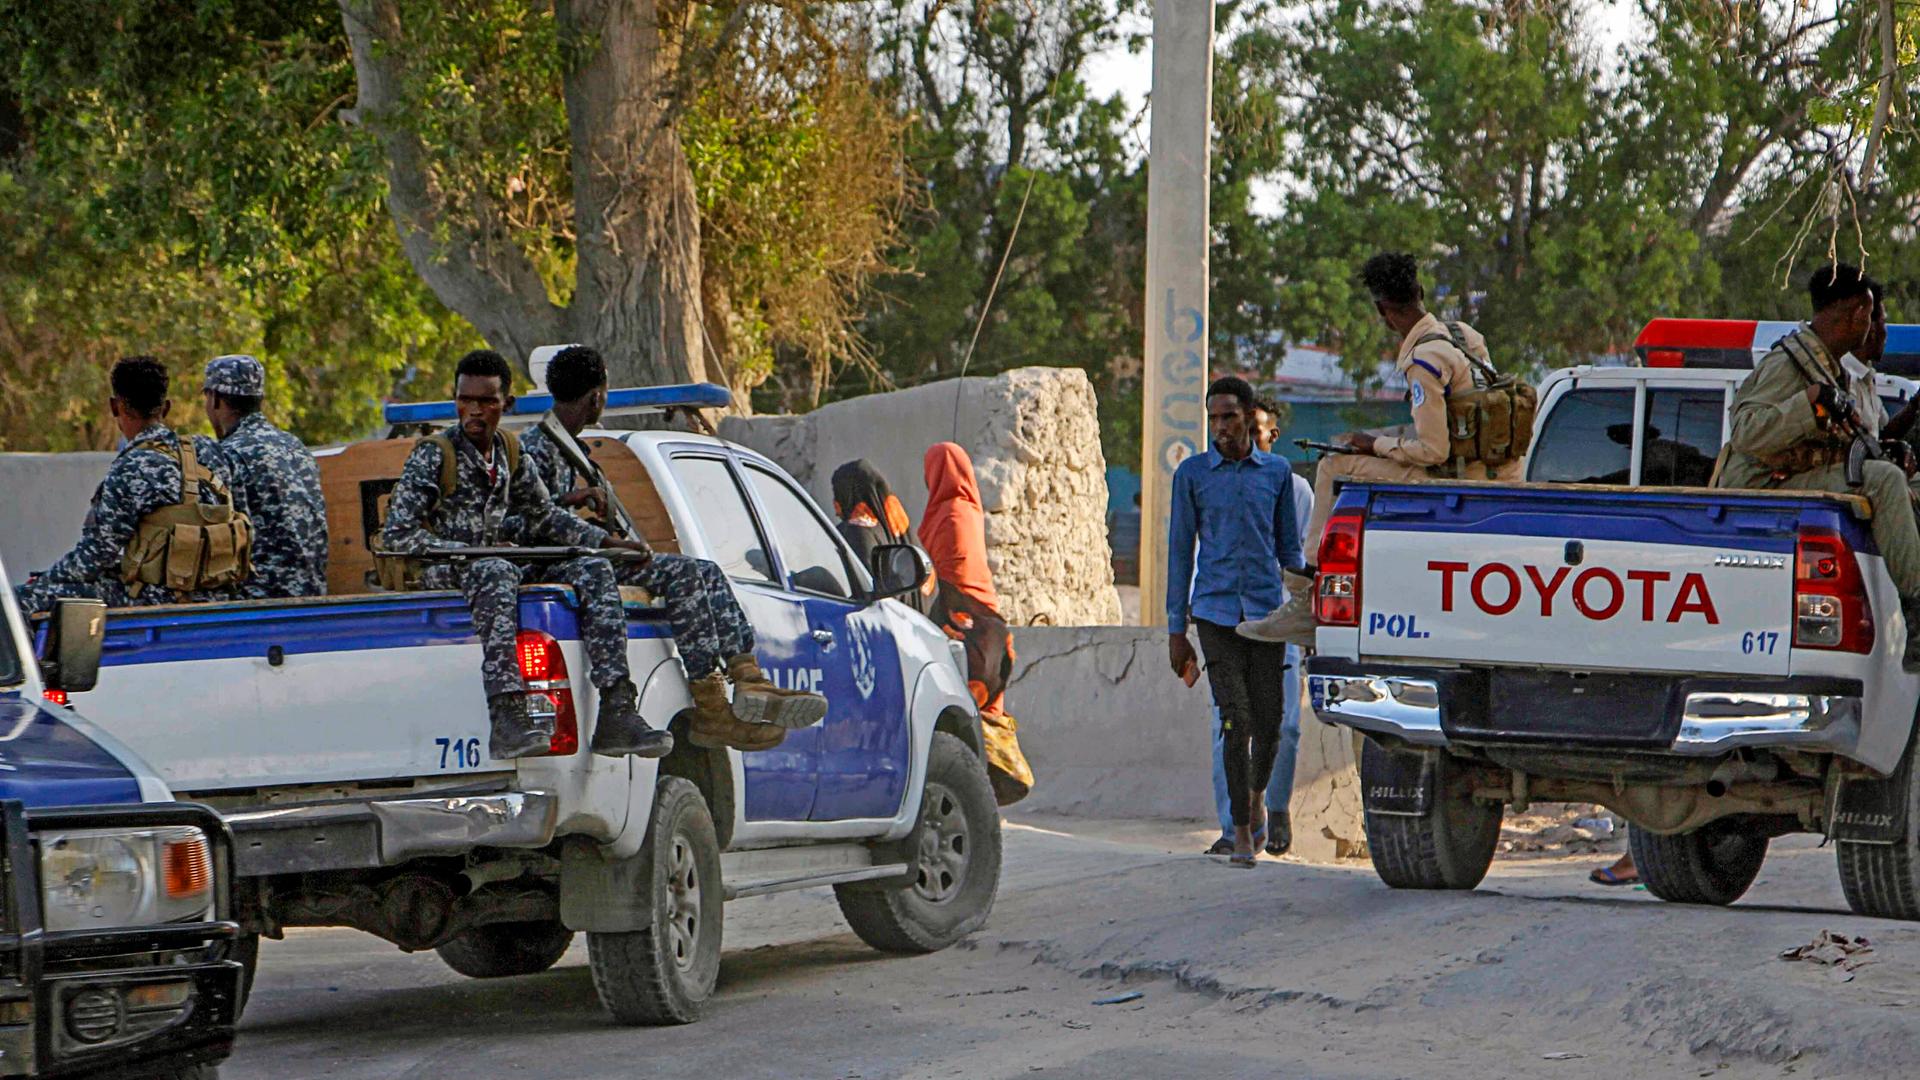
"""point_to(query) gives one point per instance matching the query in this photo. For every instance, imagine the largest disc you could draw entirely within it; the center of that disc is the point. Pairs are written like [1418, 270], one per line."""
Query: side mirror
[898, 569]
[70, 659]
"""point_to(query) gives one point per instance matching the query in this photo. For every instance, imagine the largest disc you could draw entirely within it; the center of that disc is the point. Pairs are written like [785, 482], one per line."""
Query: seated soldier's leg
[36, 597]
[618, 727]
[675, 581]
[1894, 532]
[727, 635]
[492, 589]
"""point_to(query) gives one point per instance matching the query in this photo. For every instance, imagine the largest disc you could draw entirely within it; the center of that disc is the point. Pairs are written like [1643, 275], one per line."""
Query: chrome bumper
[1712, 722]
[384, 832]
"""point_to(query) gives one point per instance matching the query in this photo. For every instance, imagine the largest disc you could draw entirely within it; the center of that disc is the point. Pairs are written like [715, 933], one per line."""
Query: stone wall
[1111, 733]
[1034, 435]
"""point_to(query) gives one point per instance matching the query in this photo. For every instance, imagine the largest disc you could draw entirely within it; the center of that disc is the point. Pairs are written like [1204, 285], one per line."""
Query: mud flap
[1870, 811]
[1402, 783]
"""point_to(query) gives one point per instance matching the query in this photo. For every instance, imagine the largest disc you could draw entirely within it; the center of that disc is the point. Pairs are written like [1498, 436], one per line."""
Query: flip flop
[1606, 876]
[1222, 846]
[1244, 862]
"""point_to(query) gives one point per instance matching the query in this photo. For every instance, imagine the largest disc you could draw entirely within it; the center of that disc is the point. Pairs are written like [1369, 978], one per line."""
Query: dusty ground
[1288, 970]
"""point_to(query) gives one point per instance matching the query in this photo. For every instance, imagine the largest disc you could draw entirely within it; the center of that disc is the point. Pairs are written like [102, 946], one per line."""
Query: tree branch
[474, 268]
[1883, 101]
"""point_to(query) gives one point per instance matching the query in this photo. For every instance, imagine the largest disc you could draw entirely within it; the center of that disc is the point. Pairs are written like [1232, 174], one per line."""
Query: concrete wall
[1034, 436]
[47, 498]
[1110, 732]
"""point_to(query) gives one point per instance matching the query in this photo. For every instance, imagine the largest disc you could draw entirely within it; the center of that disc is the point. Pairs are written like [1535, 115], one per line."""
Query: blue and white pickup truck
[1719, 667]
[115, 936]
[344, 740]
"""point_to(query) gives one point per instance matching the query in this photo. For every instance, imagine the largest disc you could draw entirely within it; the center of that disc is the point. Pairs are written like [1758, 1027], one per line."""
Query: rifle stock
[583, 465]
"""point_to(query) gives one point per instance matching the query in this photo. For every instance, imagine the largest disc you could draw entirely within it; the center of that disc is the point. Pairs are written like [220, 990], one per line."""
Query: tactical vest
[397, 573]
[1490, 424]
[190, 545]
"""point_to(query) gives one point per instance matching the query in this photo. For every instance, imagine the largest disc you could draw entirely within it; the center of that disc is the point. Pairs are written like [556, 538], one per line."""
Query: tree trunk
[637, 278]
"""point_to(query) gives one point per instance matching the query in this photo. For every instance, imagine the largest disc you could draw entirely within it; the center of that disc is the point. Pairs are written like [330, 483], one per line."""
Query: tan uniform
[1778, 443]
[1433, 369]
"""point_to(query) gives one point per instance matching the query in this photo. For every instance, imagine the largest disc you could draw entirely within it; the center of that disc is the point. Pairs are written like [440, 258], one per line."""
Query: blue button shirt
[1241, 514]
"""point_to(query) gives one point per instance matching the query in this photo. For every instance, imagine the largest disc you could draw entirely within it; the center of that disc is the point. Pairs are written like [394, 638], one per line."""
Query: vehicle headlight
[99, 879]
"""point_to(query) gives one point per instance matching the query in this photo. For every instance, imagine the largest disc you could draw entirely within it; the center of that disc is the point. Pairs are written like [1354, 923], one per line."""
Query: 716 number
[465, 752]
[1759, 641]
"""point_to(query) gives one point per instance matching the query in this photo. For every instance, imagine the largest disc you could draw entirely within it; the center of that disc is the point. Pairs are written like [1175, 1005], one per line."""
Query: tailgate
[1584, 580]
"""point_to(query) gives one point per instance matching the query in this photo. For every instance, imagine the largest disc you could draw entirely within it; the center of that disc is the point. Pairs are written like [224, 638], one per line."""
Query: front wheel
[1713, 864]
[954, 852]
[1449, 846]
[665, 973]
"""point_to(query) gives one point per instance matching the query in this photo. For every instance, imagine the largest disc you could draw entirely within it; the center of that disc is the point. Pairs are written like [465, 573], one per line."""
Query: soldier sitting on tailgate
[1796, 418]
[712, 632]
[274, 477]
[165, 526]
[492, 478]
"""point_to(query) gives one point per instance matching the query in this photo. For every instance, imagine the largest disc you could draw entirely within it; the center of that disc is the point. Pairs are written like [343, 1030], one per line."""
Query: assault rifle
[517, 554]
[577, 459]
[1842, 415]
[1325, 447]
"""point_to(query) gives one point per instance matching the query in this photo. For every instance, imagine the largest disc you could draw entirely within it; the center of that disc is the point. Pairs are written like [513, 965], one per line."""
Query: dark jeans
[1249, 689]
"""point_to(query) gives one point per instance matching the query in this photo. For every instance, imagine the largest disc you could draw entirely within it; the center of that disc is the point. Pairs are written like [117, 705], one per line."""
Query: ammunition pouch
[1490, 424]
[190, 545]
[1805, 457]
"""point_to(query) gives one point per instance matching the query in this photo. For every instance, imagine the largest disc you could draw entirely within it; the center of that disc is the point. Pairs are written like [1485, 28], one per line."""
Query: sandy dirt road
[1287, 970]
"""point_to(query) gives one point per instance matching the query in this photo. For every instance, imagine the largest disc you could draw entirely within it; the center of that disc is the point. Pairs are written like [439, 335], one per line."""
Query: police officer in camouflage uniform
[275, 475]
[713, 634]
[1795, 417]
[486, 489]
[143, 478]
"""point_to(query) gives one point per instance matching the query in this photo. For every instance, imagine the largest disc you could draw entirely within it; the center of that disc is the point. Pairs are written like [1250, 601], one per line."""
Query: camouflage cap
[238, 375]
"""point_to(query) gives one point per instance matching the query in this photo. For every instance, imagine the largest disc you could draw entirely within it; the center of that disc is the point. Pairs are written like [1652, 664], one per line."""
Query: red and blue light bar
[1739, 343]
[632, 399]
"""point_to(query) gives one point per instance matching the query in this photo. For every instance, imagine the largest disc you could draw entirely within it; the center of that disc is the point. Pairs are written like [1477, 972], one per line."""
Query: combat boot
[757, 700]
[1292, 623]
[516, 734]
[619, 729]
[714, 724]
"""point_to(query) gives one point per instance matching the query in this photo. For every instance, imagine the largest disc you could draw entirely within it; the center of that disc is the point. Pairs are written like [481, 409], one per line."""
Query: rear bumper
[365, 833]
[1695, 717]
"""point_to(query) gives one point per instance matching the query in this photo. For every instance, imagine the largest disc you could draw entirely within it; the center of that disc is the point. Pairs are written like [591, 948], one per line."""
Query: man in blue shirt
[1235, 503]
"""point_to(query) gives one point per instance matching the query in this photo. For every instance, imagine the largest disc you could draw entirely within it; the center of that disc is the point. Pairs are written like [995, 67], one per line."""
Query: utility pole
[1174, 361]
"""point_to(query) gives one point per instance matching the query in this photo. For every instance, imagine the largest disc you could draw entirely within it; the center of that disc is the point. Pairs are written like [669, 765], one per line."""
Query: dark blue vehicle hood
[46, 761]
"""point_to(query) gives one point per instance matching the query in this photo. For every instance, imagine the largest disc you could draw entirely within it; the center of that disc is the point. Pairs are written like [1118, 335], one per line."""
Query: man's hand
[1360, 441]
[593, 498]
[1900, 452]
[621, 543]
[1180, 654]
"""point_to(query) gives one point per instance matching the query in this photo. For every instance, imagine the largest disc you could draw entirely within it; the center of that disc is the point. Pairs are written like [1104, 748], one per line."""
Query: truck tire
[1714, 864]
[1448, 847]
[1883, 880]
[665, 973]
[501, 949]
[954, 850]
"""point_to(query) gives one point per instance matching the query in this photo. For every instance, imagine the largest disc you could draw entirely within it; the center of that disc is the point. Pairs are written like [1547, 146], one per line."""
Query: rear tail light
[58, 697]
[1336, 591]
[549, 693]
[1830, 608]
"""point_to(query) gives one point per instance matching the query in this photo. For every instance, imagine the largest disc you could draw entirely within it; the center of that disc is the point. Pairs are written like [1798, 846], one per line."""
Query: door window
[1682, 437]
[733, 540]
[813, 558]
[1588, 439]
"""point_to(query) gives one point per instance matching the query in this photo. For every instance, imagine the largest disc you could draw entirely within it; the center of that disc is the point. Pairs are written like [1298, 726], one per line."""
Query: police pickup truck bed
[344, 739]
[1719, 667]
[115, 938]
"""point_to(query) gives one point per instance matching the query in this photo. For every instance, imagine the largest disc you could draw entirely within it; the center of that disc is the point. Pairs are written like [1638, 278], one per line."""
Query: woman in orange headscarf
[871, 516]
[954, 533]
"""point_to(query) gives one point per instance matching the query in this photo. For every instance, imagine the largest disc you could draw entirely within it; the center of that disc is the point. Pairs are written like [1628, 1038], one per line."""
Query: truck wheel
[1713, 864]
[1448, 847]
[501, 949]
[954, 851]
[665, 973]
[1883, 880]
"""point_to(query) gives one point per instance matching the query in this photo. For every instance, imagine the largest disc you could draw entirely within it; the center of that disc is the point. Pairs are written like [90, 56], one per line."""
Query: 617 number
[1759, 641]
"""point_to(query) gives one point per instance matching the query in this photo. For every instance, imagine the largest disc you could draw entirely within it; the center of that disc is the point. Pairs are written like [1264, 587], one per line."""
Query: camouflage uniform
[708, 624]
[139, 481]
[418, 520]
[280, 482]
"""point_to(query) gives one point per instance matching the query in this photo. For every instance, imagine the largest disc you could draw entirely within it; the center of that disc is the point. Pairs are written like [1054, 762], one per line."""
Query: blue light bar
[628, 400]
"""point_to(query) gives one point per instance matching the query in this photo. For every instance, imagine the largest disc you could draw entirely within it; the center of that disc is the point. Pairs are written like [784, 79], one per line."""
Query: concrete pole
[1174, 373]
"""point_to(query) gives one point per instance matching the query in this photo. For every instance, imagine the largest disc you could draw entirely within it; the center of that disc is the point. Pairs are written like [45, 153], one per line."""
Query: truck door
[780, 782]
[864, 740]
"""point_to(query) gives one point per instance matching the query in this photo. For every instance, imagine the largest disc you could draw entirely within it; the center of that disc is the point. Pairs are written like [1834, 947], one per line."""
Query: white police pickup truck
[344, 740]
[1719, 667]
[115, 938]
